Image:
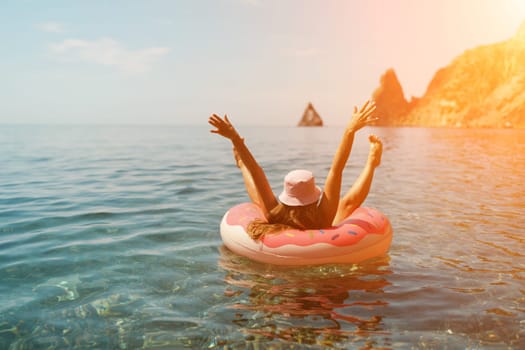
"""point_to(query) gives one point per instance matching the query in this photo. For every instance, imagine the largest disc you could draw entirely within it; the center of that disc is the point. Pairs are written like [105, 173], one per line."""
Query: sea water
[109, 239]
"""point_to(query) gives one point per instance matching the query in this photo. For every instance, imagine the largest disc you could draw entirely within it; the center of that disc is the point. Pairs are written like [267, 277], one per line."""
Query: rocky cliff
[483, 87]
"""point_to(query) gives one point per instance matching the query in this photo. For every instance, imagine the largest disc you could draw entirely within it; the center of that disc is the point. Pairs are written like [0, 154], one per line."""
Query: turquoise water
[109, 240]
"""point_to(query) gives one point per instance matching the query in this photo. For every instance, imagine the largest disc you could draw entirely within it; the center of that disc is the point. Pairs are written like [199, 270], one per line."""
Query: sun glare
[515, 8]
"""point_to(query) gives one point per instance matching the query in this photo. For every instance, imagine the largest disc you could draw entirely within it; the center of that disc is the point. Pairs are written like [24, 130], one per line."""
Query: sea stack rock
[390, 100]
[310, 117]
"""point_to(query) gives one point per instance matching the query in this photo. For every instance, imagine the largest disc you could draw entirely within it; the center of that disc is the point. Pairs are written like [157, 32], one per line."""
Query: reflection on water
[309, 305]
[306, 305]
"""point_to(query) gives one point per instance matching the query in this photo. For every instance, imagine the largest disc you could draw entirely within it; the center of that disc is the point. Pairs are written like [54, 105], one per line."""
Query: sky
[259, 61]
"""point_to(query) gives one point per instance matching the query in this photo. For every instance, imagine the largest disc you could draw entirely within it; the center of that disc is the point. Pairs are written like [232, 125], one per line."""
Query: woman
[302, 204]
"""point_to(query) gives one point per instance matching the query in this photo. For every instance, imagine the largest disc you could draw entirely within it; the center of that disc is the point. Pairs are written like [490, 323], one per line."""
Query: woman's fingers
[369, 111]
[212, 123]
[222, 126]
[363, 116]
[217, 121]
[372, 119]
[370, 108]
[364, 106]
[214, 119]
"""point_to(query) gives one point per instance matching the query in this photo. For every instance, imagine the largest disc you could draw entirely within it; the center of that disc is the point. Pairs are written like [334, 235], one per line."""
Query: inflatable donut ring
[365, 234]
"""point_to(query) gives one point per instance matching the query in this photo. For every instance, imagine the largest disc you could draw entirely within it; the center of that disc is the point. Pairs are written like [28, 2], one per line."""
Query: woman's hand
[362, 117]
[257, 184]
[223, 127]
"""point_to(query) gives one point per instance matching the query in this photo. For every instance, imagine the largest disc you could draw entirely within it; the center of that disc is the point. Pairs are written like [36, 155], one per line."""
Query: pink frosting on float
[362, 222]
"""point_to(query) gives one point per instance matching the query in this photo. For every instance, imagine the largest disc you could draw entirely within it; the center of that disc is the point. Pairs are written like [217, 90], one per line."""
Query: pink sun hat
[299, 189]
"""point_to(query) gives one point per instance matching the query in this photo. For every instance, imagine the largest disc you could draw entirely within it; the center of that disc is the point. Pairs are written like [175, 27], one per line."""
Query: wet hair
[285, 217]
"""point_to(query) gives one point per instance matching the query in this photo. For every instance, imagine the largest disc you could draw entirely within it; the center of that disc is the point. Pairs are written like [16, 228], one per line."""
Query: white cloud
[108, 52]
[51, 27]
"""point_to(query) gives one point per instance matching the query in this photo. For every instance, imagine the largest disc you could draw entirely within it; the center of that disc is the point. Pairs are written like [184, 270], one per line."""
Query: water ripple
[109, 239]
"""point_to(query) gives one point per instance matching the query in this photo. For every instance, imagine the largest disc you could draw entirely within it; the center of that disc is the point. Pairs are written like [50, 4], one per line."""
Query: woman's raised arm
[255, 179]
[332, 188]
